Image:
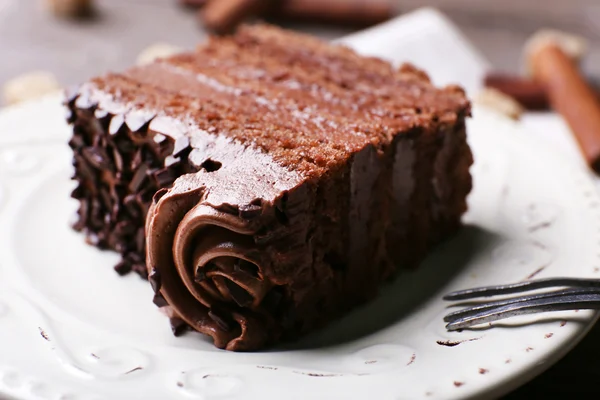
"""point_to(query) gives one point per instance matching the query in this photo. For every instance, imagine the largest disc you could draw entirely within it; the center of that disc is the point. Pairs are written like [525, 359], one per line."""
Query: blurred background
[65, 48]
[37, 35]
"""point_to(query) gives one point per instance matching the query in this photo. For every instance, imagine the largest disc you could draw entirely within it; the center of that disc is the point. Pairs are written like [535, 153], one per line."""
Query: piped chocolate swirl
[268, 182]
[216, 265]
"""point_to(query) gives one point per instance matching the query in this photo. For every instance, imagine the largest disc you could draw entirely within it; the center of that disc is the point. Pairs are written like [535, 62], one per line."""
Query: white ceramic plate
[71, 329]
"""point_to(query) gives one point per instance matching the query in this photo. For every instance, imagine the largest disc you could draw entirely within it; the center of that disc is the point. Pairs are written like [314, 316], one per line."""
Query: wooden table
[31, 39]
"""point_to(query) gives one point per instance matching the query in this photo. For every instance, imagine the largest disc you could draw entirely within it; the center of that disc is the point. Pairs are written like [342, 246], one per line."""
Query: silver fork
[574, 294]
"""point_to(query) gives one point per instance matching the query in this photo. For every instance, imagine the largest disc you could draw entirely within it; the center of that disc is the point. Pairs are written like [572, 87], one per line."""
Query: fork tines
[579, 294]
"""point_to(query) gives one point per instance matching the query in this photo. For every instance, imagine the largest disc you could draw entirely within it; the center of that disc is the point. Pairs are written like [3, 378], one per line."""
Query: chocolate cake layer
[268, 182]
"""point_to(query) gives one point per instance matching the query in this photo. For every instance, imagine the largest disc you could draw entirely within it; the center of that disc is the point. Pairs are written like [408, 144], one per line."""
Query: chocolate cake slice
[268, 182]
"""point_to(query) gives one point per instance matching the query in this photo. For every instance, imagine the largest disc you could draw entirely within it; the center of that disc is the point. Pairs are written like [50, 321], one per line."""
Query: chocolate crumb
[452, 343]
[483, 371]
[529, 349]
[44, 334]
[316, 375]
[178, 326]
[448, 343]
[458, 384]
[412, 359]
[159, 301]
[211, 165]
[563, 323]
[180, 384]
[133, 370]
[94, 356]
[539, 226]
[154, 279]
[548, 335]
[371, 362]
[508, 361]
[534, 273]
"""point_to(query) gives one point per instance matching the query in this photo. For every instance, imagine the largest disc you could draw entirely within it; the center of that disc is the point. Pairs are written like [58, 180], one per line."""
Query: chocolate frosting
[202, 246]
[210, 272]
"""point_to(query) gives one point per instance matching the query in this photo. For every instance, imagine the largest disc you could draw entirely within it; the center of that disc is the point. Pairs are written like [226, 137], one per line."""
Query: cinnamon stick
[571, 96]
[356, 13]
[193, 3]
[223, 16]
[529, 93]
[71, 8]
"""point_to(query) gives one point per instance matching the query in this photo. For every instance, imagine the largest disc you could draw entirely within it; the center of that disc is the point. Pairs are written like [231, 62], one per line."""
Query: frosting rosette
[210, 272]
[217, 246]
